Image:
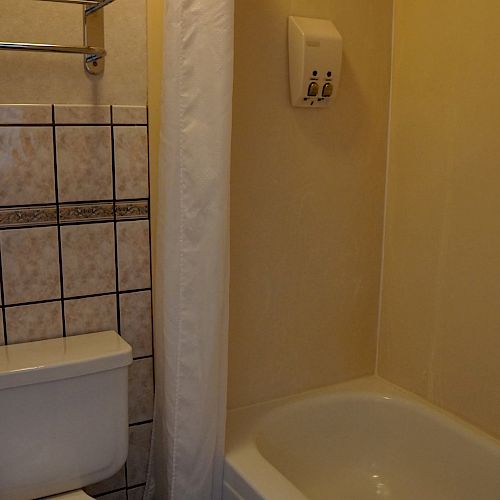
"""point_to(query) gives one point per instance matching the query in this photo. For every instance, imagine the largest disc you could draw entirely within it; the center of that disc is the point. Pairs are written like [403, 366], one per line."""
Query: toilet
[64, 415]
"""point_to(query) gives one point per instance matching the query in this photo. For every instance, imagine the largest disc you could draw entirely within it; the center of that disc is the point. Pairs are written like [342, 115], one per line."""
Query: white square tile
[133, 255]
[26, 166]
[141, 390]
[131, 162]
[130, 115]
[93, 314]
[30, 259]
[136, 322]
[82, 114]
[84, 163]
[138, 456]
[28, 114]
[34, 322]
[88, 257]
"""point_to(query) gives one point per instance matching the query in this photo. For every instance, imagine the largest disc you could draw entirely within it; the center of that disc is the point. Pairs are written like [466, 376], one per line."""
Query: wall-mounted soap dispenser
[315, 59]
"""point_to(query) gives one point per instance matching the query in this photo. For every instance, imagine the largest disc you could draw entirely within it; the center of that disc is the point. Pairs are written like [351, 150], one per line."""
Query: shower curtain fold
[192, 258]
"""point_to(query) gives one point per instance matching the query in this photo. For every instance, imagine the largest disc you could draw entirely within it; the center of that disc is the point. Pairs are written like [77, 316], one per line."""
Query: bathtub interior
[368, 440]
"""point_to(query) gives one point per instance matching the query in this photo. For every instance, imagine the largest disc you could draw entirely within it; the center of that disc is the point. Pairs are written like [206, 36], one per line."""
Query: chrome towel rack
[93, 33]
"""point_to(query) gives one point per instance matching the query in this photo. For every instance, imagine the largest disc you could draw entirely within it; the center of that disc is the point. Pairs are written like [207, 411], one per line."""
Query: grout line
[135, 290]
[74, 297]
[74, 223]
[8, 228]
[126, 473]
[115, 229]
[139, 358]
[58, 218]
[29, 205]
[38, 125]
[144, 422]
[131, 200]
[2, 295]
[139, 485]
[386, 195]
[32, 303]
[87, 222]
[75, 202]
[84, 202]
[151, 305]
[118, 490]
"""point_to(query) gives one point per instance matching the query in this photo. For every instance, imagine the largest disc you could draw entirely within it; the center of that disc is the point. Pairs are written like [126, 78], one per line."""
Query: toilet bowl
[58, 396]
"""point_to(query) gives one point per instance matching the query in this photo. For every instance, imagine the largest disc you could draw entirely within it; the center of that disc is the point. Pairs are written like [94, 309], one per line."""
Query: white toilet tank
[63, 413]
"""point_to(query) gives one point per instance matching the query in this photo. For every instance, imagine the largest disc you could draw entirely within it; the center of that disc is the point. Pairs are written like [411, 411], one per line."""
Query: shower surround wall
[75, 246]
[308, 196]
[307, 203]
[440, 321]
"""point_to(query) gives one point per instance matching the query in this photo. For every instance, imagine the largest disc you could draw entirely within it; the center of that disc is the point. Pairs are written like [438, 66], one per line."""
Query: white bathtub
[360, 440]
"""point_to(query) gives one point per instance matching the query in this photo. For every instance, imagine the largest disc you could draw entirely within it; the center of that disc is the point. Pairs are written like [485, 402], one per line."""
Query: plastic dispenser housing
[315, 59]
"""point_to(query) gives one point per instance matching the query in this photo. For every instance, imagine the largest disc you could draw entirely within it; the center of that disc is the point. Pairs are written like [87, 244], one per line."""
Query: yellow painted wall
[440, 324]
[307, 198]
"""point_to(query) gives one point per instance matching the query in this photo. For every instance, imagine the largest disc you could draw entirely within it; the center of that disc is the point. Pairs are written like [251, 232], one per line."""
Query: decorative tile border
[88, 212]
[46, 215]
[126, 210]
[27, 216]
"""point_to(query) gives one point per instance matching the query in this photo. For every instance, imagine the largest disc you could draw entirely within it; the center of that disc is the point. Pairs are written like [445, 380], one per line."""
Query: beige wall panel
[307, 204]
[440, 325]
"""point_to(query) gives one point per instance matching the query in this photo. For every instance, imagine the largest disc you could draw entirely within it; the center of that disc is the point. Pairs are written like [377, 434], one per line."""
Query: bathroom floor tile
[30, 262]
[26, 166]
[84, 163]
[88, 257]
[34, 322]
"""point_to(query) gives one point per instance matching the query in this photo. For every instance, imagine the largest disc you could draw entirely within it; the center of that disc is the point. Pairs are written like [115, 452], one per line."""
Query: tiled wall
[75, 245]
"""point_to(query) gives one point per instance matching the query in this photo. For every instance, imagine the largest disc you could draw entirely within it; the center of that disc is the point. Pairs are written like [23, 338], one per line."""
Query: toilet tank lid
[62, 358]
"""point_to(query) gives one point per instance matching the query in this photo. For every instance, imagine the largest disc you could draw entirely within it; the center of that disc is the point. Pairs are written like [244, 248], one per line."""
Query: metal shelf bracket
[93, 33]
[93, 36]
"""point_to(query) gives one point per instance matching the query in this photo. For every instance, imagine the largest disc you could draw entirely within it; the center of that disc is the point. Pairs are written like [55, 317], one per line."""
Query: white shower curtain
[191, 276]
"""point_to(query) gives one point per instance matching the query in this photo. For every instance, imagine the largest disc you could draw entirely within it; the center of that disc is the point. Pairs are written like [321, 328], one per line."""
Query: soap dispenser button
[313, 89]
[327, 90]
